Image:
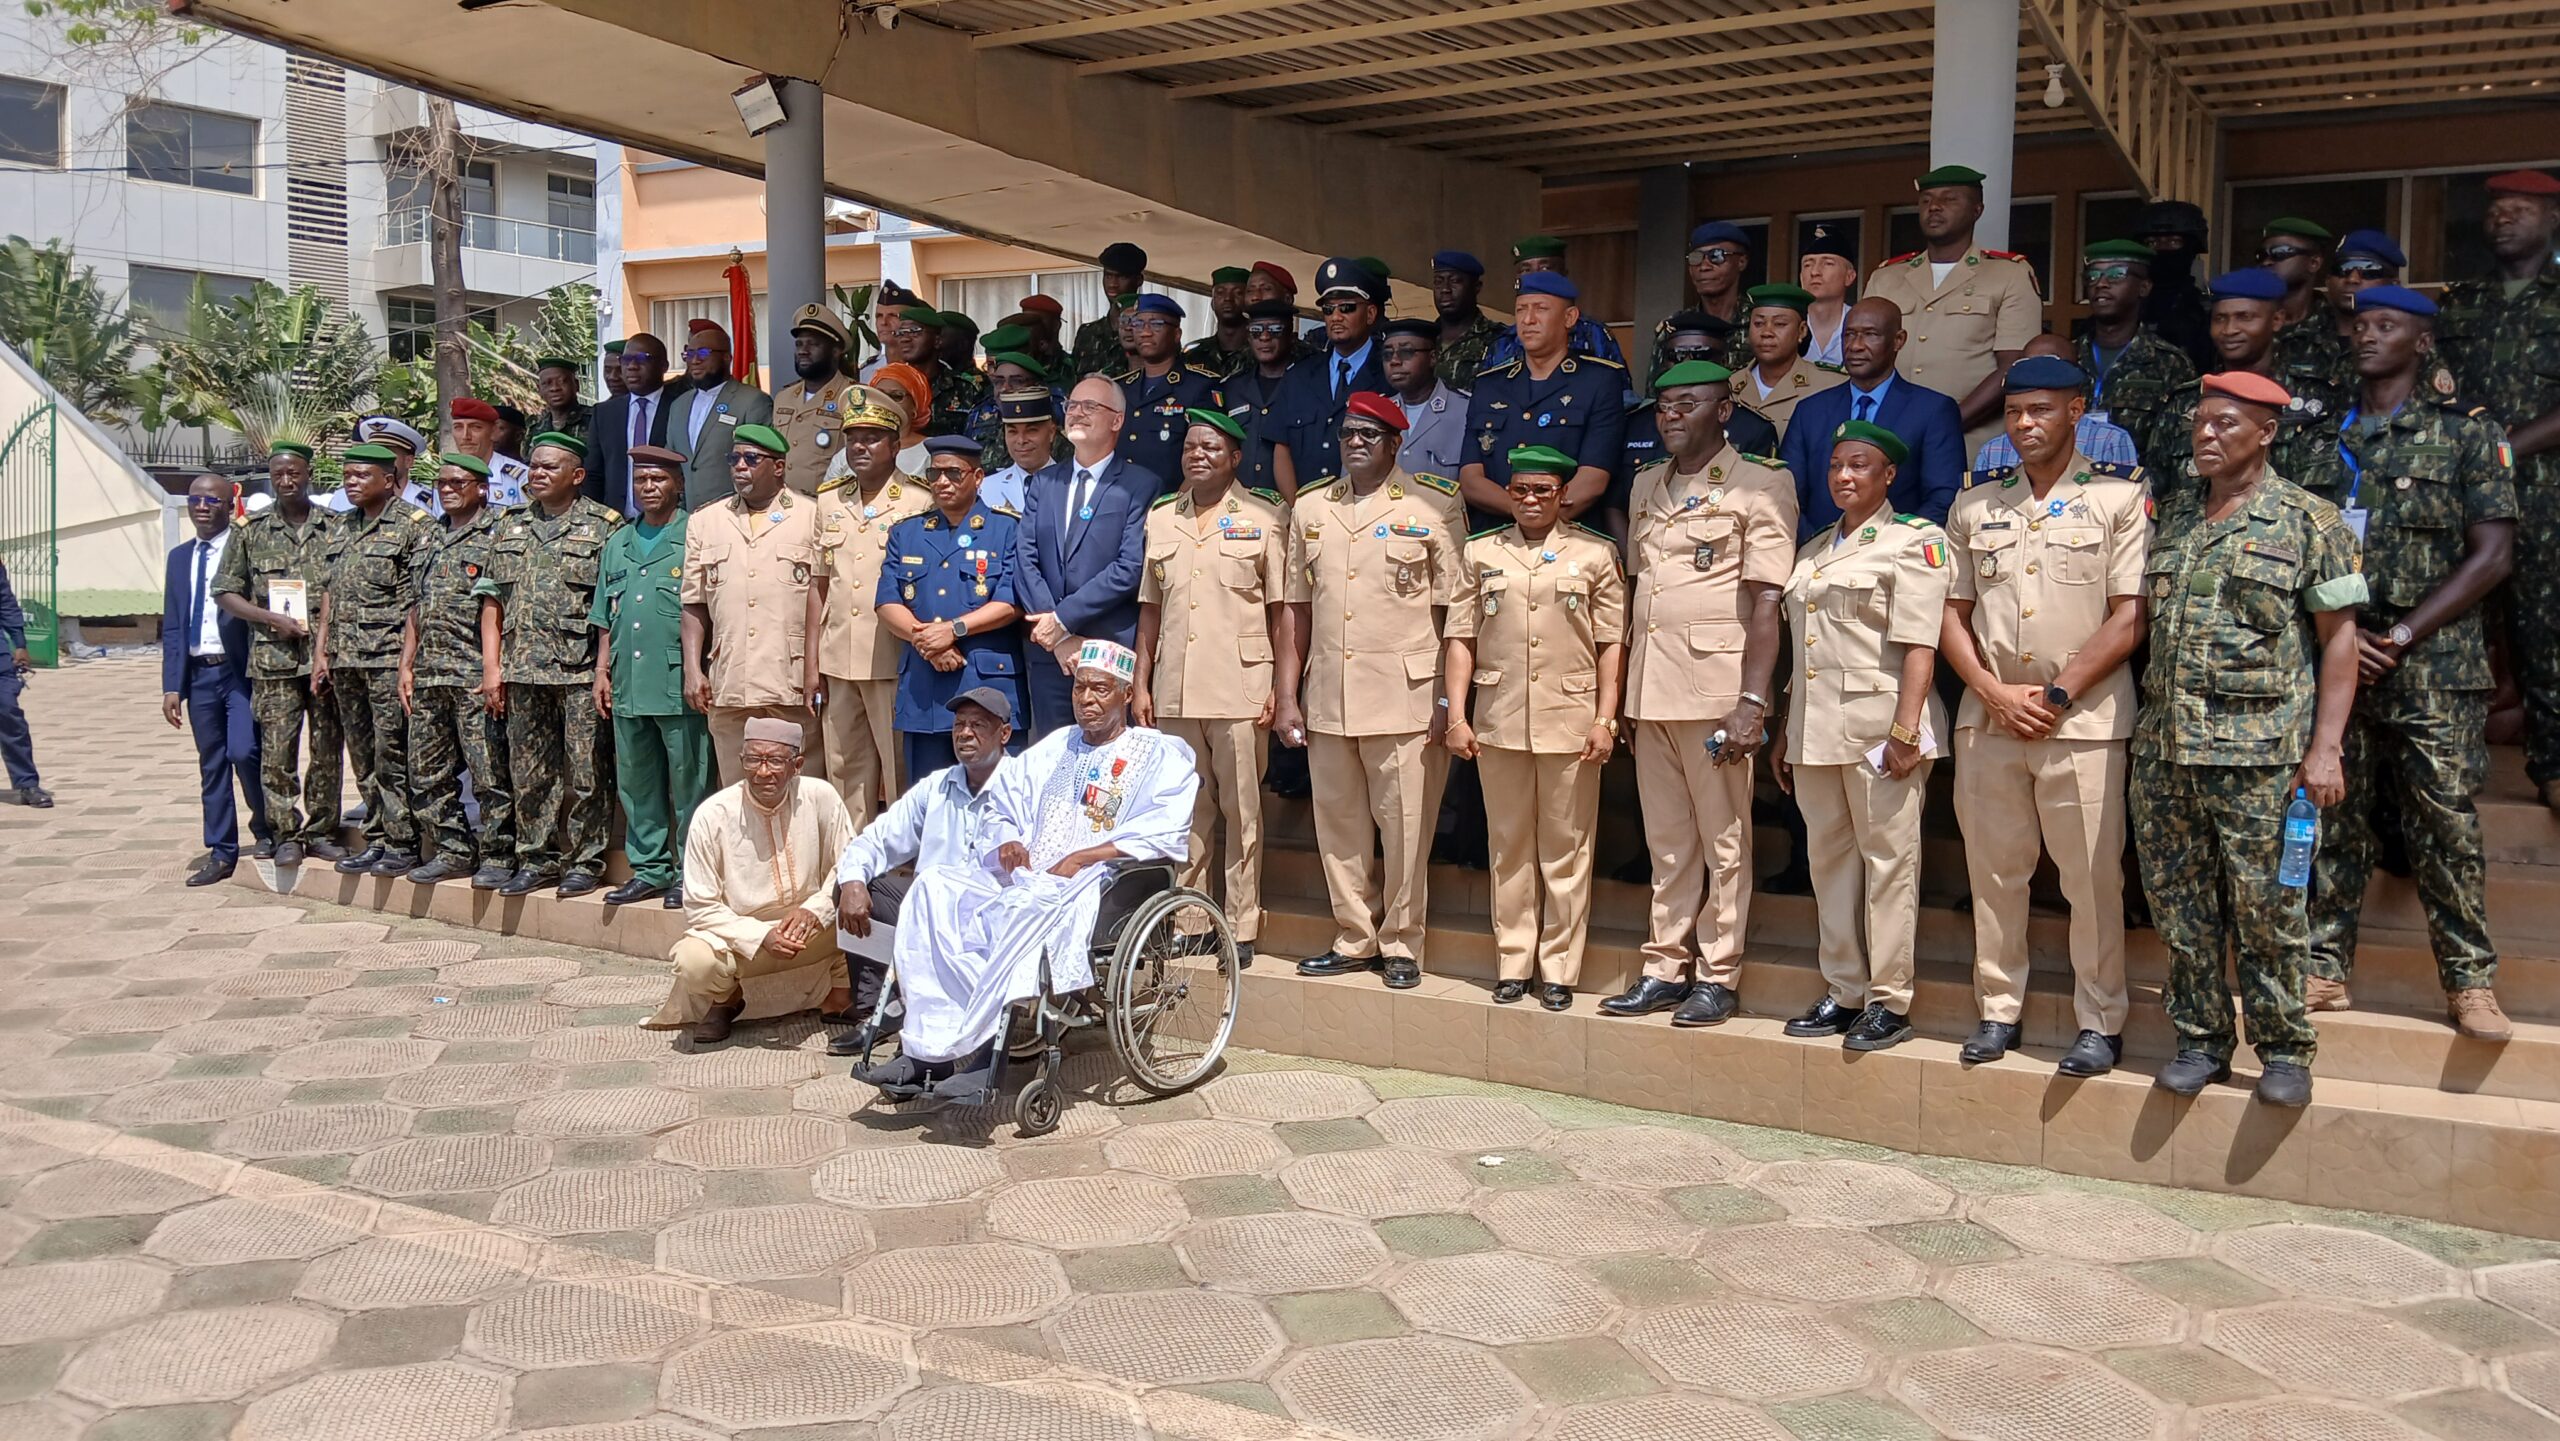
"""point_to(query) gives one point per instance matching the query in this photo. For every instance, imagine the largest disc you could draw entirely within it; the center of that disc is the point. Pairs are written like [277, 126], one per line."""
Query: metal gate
[29, 538]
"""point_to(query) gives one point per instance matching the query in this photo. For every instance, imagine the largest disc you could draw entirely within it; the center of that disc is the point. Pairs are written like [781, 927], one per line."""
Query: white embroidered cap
[1112, 659]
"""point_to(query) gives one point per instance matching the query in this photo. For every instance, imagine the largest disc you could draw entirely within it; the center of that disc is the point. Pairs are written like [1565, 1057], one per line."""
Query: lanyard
[2098, 365]
[2347, 455]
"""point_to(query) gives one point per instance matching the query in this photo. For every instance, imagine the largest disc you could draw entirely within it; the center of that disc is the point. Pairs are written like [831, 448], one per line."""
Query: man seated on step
[974, 937]
[941, 823]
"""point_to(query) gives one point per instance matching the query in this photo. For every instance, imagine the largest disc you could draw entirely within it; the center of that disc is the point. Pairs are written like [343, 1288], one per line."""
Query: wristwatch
[960, 630]
[1905, 734]
[1611, 722]
[2402, 637]
[2056, 697]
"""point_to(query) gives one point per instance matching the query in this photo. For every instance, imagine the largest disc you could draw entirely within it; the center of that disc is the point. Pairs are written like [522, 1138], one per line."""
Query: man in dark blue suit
[635, 415]
[204, 670]
[17, 748]
[1927, 421]
[1080, 549]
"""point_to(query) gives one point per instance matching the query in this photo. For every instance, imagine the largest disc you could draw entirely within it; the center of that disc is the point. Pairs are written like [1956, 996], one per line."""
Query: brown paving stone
[96, 1075]
[75, 1298]
[435, 1401]
[2299, 1418]
[437, 1268]
[106, 1188]
[1863, 1417]
[752, 1142]
[353, 1060]
[474, 1085]
[314, 1130]
[1124, 1268]
[1653, 1280]
[1279, 1253]
[2474, 1327]
[1436, 1235]
[1724, 1205]
[1412, 1388]
[244, 1284]
[1050, 1410]
[449, 1163]
[1583, 1220]
[30, 1370]
[2332, 1350]
[2188, 1375]
[1166, 1337]
[204, 1422]
[567, 1202]
[1809, 1263]
[1500, 1299]
[1577, 1371]
[969, 1285]
[1948, 1243]
[2335, 1262]
[1909, 1323]
[907, 1175]
[765, 1242]
[198, 1356]
[2014, 1391]
[2478, 1416]
[2087, 1308]
[1743, 1346]
[2199, 1282]
[86, 1239]
[1215, 1196]
[579, 1323]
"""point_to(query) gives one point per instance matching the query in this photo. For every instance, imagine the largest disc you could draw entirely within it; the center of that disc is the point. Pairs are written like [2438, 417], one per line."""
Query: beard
[816, 371]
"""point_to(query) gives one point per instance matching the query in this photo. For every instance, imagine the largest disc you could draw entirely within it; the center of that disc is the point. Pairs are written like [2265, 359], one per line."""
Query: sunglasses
[2107, 272]
[1714, 254]
[1547, 491]
[1364, 432]
[751, 457]
[2371, 268]
[1410, 350]
[1676, 409]
[207, 502]
[2270, 255]
[1267, 327]
[1342, 307]
[946, 472]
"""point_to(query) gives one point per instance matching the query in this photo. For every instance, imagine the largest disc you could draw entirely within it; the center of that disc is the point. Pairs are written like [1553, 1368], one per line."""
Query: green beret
[1016, 357]
[1790, 297]
[764, 437]
[1374, 266]
[471, 463]
[1692, 372]
[560, 439]
[1542, 458]
[2132, 250]
[1007, 337]
[953, 320]
[1230, 275]
[614, 347]
[920, 314]
[1217, 420]
[1875, 435]
[1536, 247]
[289, 447]
[562, 361]
[1949, 175]
[2296, 225]
[1123, 302]
[376, 454]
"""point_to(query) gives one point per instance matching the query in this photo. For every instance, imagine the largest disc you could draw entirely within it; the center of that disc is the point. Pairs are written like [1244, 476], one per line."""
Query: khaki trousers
[1230, 756]
[2071, 794]
[708, 974]
[1697, 823]
[1539, 813]
[1381, 791]
[861, 739]
[1862, 836]
[729, 736]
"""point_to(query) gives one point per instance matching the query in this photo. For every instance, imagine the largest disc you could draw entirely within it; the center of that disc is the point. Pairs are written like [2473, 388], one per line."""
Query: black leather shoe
[579, 883]
[1403, 974]
[492, 876]
[1876, 1029]
[210, 872]
[436, 870]
[2091, 1055]
[35, 798]
[2285, 1084]
[714, 1026]
[329, 851]
[1555, 998]
[2191, 1072]
[1827, 1018]
[393, 864]
[288, 853]
[1645, 997]
[631, 890]
[1506, 992]
[525, 882]
[674, 899]
[1244, 955]
[1991, 1040]
[1708, 1005]
[854, 1042]
[900, 1078]
[359, 863]
[263, 851]
[1334, 963]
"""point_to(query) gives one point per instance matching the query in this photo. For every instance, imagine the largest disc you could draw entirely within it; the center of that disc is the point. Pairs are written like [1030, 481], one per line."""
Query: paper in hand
[1928, 746]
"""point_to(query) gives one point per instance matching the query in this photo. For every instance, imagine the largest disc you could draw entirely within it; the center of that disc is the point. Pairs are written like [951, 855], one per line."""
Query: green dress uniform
[545, 571]
[1461, 358]
[661, 747]
[265, 549]
[450, 730]
[2422, 478]
[373, 580]
[2305, 450]
[2138, 385]
[2226, 718]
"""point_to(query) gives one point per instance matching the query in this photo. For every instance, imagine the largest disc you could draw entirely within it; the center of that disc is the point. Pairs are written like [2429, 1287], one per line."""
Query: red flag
[742, 322]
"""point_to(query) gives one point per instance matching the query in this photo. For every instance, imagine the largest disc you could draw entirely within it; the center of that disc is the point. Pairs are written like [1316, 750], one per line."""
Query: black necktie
[195, 599]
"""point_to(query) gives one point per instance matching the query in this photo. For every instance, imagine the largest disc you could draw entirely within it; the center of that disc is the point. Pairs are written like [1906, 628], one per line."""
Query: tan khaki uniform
[1803, 378]
[1693, 543]
[1539, 615]
[1213, 577]
[813, 421]
[752, 573]
[856, 654]
[1988, 304]
[2039, 572]
[1370, 570]
[1857, 608]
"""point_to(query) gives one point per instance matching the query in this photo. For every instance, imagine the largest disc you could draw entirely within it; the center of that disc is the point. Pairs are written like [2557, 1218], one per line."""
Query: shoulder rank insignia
[2116, 469]
[1601, 536]
[1604, 360]
[1440, 483]
[2005, 255]
[1272, 496]
[1162, 501]
[1771, 461]
[1990, 473]
[1914, 520]
[1911, 256]
[1005, 510]
[1490, 530]
[1827, 365]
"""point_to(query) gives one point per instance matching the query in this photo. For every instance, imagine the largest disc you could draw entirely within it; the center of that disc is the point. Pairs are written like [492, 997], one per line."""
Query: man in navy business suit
[636, 415]
[1926, 420]
[17, 748]
[204, 670]
[1080, 549]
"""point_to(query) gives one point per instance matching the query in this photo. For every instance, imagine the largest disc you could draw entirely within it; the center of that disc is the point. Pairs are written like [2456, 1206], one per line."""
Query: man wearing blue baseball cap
[2243, 323]
[2430, 492]
[1719, 255]
[1545, 395]
[1467, 334]
[1159, 390]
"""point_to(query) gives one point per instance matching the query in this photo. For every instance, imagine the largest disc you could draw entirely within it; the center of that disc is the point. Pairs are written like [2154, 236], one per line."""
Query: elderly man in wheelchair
[1026, 868]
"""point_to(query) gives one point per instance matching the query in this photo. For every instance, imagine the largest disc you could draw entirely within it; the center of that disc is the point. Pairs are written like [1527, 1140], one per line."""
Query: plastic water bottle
[2301, 838]
[1715, 743]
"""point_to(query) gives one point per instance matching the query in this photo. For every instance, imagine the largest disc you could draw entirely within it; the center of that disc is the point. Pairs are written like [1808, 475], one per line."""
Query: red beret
[2249, 386]
[699, 324]
[468, 408]
[2524, 182]
[1042, 305]
[1380, 408]
[1286, 281]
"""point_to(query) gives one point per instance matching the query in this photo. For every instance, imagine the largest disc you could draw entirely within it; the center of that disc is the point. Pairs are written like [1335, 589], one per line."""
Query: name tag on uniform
[2355, 519]
[910, 560]
[1995, 525]
[2271, 551]
[726, 419]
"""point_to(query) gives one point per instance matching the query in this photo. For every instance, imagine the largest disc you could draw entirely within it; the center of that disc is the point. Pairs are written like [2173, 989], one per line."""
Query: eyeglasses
[1715, 254]
[946, 472]
[750, 457]
[1342, 307]
[1364, 431]
[2273, 254]
[1091, 407]
[2107, 272]
[2374, 269]
[904, 332]
[1410, 350]
[1528, 491]
[1676, 409]
[1267, 327]
[703, 352]
[1150, 322]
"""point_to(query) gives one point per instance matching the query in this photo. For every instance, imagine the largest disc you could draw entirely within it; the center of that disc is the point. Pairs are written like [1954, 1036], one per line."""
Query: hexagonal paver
[143, 1013]
[206, 1098]
[2061, 1303]
[1654, 1156]
[61, 991]
[2014, 1393]
[236, 1229]
[2335, 1262]
[737, 1143]
[314, 1130]
[2334, 1351]
[565, 1203]
[988, 1284]
[199, 1356]
[1166, 1337]
[606, 1111]
[918, 1175]
[2301, 1418]
[301, 983]
[38, 1421]
[99, 1075]
[1499, 1298]
[2532, 1287]
[496, 1083]
[1288, 1096]
[431, 1164]
[76, 1298]
[1459, 1123]
[2085, 1226]
[581, 1045]
[1810, 1263]
[511, 971]
[1377, 1183]
[834, 1371]
[1583, 1221]
[1412, 1388]
[1050, 1410]
[379, 1001]
[437, 1401]
[1282, 1252]
[1744, 1346]
[2535, 1378]
[758, 1243]
[489, 1021]
[440, 1268]
[1655, 1418]
[653, 1428]
[1852, 1193]
[582, 1323]
[738, 1069]
[1190, 1150]
[1076, 1213]
[358, 1059]
[372, 953]
[590, 991]
[106, 1188]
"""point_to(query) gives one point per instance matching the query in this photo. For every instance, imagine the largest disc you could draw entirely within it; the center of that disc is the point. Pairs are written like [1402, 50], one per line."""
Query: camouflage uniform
[1737, 346]
[2308, 356]
[1461, 358]
[267, 548]
[544, 570]
[1211, 355]
[2305, 450]
[373, 578]
[2226, 718]
[2430, 472]
[1097, 349]
[956, 395]
[2505, 353]
[450, 730]
[2140, 385]
[576, 420]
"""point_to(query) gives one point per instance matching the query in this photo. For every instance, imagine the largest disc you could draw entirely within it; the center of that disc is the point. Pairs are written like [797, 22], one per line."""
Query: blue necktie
[195, 601]
[1866, 407]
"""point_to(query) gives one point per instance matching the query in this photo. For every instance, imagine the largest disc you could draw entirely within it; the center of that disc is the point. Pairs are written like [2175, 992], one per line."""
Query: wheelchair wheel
[1036, 1109]
[1173, 991]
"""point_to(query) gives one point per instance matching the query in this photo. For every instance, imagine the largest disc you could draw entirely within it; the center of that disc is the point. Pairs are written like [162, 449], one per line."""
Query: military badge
[1935, 553]
[799, 572]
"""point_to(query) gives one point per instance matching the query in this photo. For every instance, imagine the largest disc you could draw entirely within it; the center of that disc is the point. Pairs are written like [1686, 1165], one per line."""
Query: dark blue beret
[1154, 304]
[1719, 232]
[954, 445]
[2044, 372]
[1457, 260]
[2374, 244]
[2255, 283]
[1548, 282]
[2393, 297]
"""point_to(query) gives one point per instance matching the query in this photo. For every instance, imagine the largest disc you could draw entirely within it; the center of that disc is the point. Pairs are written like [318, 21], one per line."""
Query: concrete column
[613, 295]
[795, 220]
[1973, 102]
[1662, 249]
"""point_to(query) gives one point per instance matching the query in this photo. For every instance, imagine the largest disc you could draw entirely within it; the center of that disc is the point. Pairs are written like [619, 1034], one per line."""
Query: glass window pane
[30, 123]
[2031, 235]
[2337, 206]
[155, 142]
[224, 153]
[159, 296]
[573, 203]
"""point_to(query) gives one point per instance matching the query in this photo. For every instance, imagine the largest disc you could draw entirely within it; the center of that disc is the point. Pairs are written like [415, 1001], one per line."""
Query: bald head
[2050, 344]
[1870, 340]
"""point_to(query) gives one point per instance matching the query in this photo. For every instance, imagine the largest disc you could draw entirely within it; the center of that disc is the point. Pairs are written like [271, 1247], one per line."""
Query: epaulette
[1601, 536]
[1130, 375]
[1834, 369]
[1000, 508]
[1490, 530]
[1162, 501]
[2006, 255]
[2116, 469]
[1915, 520]
[1602, 360]
[1509, 365]
[1987, 474]
[1440, 483]
[1272, 496]
[1770, 461]
[1906, 255]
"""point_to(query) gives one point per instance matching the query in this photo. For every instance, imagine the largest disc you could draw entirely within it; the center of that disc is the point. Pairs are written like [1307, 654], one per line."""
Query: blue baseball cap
[2393, 297]
[1719, 232]
[1548, 282]
[1457, 260]
[1154, 304]
[2255, 283]
[2374, 245]
[2044, 372]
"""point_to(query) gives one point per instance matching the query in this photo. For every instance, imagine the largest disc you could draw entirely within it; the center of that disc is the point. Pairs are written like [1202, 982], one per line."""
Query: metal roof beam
[1341, 35]
[1148, 18]
[2159, 127]
[1632, 95]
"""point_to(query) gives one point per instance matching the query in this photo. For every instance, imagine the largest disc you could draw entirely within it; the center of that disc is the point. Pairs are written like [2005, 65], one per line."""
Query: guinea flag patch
[2506, 455]
[1934, 552]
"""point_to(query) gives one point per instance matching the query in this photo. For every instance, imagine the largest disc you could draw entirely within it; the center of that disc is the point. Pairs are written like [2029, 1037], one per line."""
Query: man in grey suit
[702, 422]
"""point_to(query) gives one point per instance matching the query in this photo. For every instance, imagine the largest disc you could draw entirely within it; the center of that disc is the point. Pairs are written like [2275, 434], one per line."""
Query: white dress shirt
[939, 822]
[204, 562]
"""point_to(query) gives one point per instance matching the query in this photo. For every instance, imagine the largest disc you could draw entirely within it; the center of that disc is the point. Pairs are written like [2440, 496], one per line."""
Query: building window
[30, 123]
[2104, 217]
[668, 320]
[179, 146]
[160, 297]
[573, 202]
[2337, 206]
[988, 299]
[411, 321]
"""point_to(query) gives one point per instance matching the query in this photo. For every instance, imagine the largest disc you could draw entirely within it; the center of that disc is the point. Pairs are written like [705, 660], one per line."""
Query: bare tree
[444, 253]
